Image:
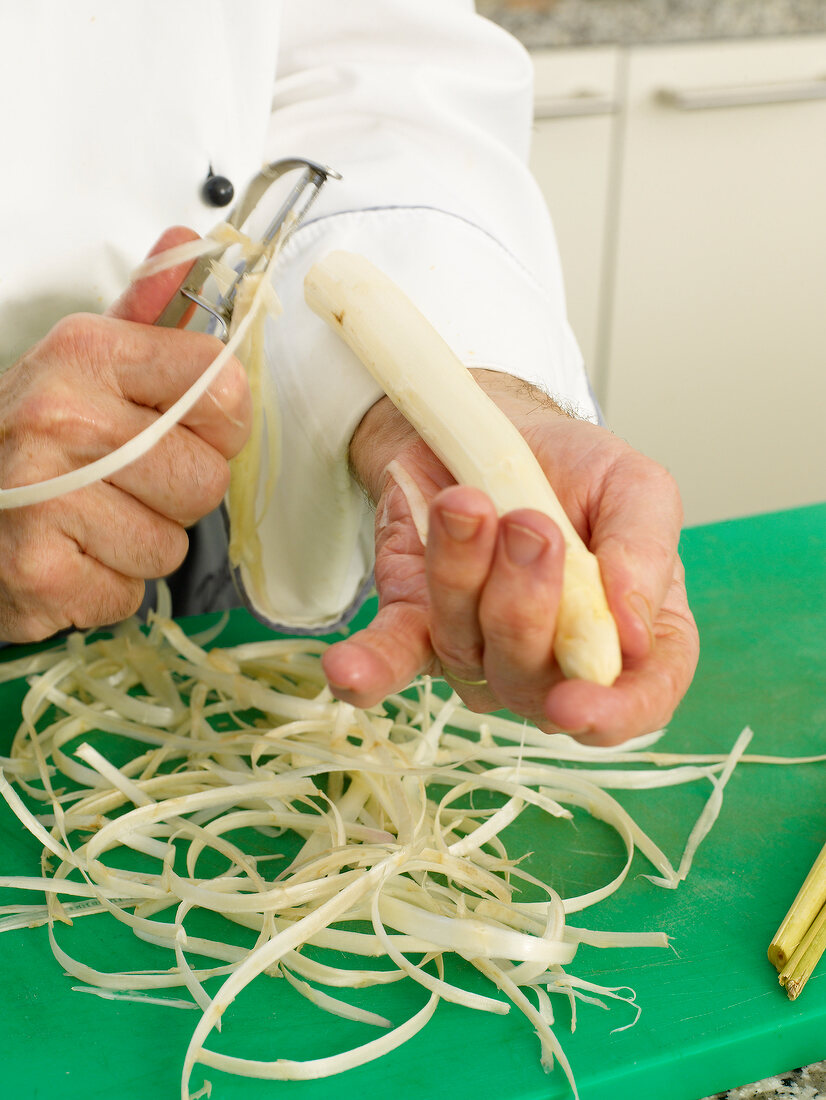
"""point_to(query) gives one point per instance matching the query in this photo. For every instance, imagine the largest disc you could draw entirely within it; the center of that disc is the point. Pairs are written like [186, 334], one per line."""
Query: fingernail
[523, 545]
[639, 605]
[459, 526]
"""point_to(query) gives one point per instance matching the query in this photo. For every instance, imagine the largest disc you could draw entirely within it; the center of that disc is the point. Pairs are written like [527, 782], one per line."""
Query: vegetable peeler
[289, 215]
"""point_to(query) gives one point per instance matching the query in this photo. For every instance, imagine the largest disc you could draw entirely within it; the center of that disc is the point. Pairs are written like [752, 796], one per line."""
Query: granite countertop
[800, 1084]
[541, 24]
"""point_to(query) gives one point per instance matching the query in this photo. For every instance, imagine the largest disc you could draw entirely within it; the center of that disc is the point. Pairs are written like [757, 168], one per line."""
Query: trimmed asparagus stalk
[805, 958]
[468, 432]
[809, 901]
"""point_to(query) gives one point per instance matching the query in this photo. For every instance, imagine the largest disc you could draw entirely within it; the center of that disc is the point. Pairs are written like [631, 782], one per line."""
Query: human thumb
[144, 300]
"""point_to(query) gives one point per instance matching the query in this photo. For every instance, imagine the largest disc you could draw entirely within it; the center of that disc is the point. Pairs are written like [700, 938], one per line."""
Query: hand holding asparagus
[482, 449]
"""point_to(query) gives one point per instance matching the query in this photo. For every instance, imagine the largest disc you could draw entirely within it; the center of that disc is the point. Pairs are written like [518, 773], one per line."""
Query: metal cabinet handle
[747, 95]
[574, 106]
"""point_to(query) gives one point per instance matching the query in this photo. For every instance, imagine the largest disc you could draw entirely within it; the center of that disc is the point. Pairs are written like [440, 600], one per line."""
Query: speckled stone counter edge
[800, 1084]
[541, 24]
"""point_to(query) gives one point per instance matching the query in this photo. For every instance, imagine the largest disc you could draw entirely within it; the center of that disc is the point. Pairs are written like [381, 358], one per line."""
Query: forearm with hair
[383, 433]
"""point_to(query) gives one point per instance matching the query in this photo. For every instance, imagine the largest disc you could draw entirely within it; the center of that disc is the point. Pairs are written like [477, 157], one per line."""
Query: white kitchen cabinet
[575, 126]
[711, 343]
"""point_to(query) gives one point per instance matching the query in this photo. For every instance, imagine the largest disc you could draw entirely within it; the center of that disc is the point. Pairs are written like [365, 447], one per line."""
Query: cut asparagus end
[805, 958]
[469, 433]
[807, 904]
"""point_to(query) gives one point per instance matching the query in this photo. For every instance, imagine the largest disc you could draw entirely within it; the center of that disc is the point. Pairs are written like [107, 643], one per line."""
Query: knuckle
[398, 549]
[448, 582]
[173, 550]
[21, 623]
[192, 479]
[230, 395]
[126, 603]
[220, 481]
[111, 603]
[50, 411]
[32, 629]
[29, 574]
[47, 395]
[50, 584]
[465, 661]
[518, 624]
[208, 478]
[162, 549]
[663, 483]
[39, 583]
[72, 334]
[231, 388]
[646, 472]
[39, 569]
[82, 340]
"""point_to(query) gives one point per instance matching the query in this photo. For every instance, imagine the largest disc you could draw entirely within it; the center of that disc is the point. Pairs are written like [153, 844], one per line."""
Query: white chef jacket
[115, 113]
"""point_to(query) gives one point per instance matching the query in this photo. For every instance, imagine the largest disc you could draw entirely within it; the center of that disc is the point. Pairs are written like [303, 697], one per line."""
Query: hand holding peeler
[289, 215]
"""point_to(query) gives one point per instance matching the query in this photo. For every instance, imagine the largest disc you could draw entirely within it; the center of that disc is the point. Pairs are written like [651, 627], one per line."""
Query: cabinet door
[575, 118]
[718, 319]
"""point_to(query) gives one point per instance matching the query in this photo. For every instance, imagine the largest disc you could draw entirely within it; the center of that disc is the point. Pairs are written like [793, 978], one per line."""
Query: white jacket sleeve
[425, 109]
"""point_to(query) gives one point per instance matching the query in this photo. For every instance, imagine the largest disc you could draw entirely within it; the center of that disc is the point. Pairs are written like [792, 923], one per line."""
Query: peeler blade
[286, 220]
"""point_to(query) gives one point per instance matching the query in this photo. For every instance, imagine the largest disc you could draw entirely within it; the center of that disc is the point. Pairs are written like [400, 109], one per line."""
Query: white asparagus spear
[468, 432]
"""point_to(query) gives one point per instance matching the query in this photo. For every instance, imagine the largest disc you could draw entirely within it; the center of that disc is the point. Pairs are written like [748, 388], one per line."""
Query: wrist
[520, 400]
[384, 434]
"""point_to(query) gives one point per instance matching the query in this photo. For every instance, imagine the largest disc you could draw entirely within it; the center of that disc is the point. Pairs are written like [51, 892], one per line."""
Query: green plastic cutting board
[713, 1015]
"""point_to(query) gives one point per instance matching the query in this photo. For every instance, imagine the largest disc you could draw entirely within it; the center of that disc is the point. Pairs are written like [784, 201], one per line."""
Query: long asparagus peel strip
[478, 444]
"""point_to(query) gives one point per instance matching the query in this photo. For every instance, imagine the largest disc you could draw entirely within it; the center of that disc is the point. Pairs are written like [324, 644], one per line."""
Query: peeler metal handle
[288, 217]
